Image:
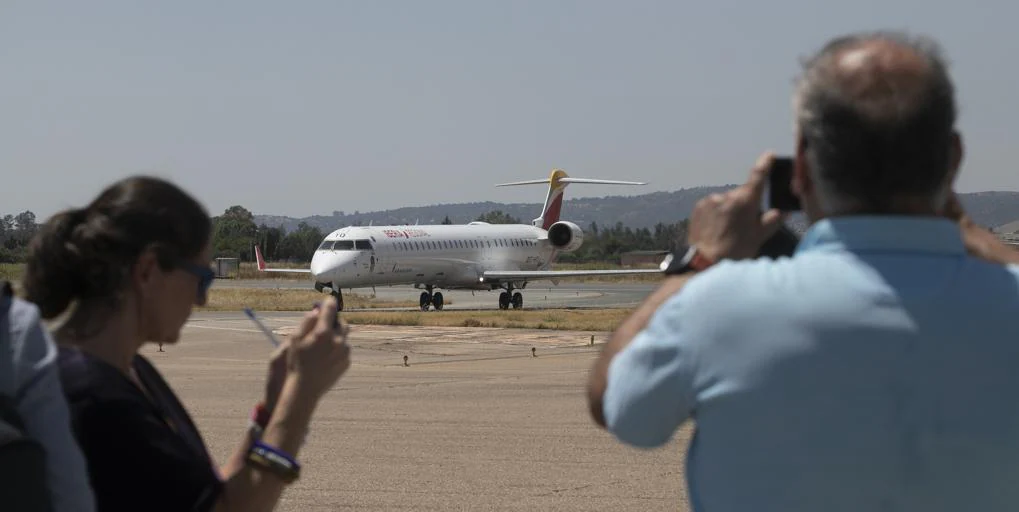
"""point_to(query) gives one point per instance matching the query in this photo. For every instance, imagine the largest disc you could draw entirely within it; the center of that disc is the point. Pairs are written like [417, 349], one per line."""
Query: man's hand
[980, 242]
[731, 225]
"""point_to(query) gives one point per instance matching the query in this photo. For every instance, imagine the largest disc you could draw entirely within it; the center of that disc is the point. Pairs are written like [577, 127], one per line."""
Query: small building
[632, 258]
[227, 267]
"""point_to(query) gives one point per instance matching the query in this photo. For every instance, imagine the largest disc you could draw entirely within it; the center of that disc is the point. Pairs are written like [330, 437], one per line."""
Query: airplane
[472, 256]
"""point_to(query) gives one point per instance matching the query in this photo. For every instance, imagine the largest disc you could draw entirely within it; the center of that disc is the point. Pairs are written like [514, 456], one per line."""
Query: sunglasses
[204, 274]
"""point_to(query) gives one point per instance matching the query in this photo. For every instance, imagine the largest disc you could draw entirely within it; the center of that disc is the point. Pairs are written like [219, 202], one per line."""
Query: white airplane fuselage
[445, 256]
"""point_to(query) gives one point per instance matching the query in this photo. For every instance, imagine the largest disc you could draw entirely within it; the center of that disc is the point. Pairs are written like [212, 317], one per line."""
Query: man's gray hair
[888, 139]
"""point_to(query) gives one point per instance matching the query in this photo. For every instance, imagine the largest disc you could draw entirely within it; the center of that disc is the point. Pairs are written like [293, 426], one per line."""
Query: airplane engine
[565, 236]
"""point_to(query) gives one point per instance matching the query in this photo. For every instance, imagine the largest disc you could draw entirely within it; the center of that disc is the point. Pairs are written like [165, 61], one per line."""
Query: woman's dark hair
[86, 255]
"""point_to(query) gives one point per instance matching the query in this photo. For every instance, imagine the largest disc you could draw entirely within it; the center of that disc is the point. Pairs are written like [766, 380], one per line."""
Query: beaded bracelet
[267, 457]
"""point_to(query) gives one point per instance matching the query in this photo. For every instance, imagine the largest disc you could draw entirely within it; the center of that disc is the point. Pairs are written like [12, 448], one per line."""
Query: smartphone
[780, 190]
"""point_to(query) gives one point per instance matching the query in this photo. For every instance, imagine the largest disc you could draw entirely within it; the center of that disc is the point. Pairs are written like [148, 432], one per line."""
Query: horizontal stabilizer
[573, 180]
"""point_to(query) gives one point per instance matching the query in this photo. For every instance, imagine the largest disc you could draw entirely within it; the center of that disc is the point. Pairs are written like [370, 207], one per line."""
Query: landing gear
[339, 299]
[509, 297]
[430, 299]
[336, 293]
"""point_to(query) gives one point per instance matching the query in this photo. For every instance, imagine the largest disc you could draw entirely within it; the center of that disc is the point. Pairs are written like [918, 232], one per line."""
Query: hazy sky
[306, 107]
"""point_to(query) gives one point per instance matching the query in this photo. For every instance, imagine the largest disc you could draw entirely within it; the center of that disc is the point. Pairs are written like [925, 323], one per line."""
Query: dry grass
[11, 271]
[262, 299]
[267, 299]
[601, 320]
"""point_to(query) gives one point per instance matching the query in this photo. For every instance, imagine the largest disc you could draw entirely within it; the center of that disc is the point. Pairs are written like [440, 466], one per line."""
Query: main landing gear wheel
[430, 299]
[509, 297]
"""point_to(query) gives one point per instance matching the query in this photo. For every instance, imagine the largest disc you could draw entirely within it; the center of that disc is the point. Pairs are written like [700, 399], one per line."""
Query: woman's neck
[116, 344]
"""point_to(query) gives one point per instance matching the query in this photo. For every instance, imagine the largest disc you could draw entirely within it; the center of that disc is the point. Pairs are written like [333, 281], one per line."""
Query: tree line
[235, 232]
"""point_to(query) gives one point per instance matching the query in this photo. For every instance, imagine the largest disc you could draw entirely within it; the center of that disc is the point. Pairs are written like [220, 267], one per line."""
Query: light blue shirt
[877, 369]
[28, 371]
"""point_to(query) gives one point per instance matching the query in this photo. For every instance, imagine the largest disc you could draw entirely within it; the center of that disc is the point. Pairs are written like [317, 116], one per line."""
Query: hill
[638, 211]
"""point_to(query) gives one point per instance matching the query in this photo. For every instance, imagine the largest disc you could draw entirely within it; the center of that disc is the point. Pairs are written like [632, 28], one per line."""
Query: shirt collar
[899, 233]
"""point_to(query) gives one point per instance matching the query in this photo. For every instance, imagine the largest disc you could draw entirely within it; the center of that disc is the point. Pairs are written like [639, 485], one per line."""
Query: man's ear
[955, 155]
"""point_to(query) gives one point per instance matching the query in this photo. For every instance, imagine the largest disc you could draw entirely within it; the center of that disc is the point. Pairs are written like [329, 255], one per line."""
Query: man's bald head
[876, 115]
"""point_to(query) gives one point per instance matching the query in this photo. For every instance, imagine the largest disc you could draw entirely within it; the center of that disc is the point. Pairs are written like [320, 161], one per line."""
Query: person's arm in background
[44, 409]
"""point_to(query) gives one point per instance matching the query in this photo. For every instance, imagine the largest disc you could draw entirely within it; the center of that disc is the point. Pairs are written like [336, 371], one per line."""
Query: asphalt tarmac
[475, 422]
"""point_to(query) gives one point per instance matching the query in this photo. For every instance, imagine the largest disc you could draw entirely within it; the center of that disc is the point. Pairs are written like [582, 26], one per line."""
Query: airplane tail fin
[557, 183]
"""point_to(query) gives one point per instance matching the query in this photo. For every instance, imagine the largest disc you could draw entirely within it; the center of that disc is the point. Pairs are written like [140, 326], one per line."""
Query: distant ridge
[990, 209]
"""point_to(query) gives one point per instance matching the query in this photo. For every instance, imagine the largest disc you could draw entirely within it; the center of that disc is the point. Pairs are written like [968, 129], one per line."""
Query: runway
[473, 423]
[537, 295]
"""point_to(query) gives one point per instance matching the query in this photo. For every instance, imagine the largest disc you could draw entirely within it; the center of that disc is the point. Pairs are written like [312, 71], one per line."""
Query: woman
[126, 271]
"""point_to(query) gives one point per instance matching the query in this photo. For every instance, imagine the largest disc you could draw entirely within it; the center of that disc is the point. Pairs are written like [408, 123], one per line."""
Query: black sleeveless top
[141, 456]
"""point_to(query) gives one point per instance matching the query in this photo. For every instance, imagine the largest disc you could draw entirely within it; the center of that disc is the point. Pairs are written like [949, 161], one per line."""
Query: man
[28, 374]
[875, 369]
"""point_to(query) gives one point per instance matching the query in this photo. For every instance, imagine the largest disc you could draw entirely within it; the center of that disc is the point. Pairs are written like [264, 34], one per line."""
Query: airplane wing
[495, 275]
[263, 268]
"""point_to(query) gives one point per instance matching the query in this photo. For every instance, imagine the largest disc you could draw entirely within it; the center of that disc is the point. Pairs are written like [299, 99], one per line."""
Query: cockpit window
[362, 245]
[344, 245]
[328, 244]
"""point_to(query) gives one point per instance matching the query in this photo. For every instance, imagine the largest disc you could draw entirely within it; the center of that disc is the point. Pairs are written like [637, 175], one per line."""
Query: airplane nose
[320, 267]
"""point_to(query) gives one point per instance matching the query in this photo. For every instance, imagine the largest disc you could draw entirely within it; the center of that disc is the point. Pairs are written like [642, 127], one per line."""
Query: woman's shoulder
[88, 379]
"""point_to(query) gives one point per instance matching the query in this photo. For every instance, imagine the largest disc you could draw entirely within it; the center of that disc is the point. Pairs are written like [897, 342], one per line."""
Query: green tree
[300, 245]
[234, 233]
[498, 217]
[268, 240]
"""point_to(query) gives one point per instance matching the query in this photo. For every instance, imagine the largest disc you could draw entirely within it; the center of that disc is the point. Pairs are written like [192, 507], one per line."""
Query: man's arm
[622, 337]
